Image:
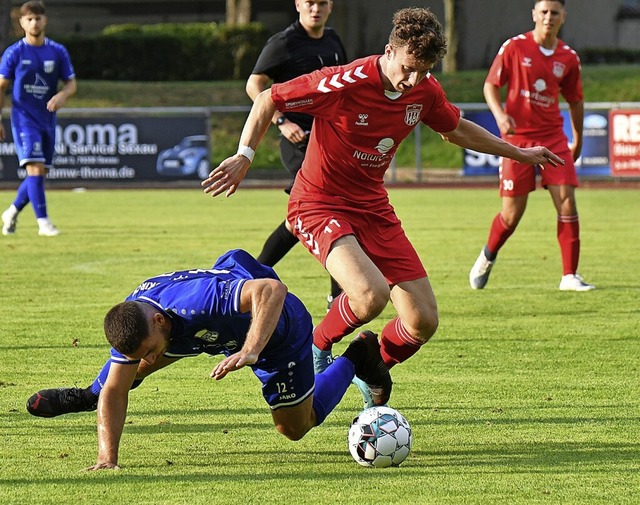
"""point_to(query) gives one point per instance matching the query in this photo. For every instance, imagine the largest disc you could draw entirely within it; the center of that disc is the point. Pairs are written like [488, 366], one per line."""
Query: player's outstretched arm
[264, 298]
[226, 177]
[112, 411]
[472, 136]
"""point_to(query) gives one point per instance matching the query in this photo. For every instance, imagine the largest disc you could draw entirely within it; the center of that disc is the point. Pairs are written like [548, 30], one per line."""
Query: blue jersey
[35, 72]
[204, 309]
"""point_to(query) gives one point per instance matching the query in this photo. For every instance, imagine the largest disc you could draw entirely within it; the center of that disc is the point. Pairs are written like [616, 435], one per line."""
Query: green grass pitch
[525, 394]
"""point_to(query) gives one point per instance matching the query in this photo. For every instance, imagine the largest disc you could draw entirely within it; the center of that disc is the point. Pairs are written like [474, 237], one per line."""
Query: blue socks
[99, 381]
[35, 191]
[331, 386]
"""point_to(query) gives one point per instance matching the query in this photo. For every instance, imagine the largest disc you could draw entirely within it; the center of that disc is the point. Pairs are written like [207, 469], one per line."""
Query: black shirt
[291, 53]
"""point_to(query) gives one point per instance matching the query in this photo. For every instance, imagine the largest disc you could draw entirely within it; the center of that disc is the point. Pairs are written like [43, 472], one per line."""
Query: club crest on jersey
[558, 69]
[412, 115]
[49, 66]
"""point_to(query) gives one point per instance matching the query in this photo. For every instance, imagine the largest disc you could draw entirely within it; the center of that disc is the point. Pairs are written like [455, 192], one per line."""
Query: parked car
[189, 157]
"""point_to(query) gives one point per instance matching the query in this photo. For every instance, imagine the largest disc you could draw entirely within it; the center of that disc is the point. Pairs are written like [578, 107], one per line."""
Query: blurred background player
[305, 46]
[339, 207]
[537, 67]
[238, 308]
[35, 64]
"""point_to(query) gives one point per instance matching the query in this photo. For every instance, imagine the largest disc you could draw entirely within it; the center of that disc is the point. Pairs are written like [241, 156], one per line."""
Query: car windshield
[195, 142]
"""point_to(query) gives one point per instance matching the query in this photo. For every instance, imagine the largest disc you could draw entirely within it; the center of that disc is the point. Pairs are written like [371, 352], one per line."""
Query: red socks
[339, 321]
[569, 240]
[498, 234]
[396, 344]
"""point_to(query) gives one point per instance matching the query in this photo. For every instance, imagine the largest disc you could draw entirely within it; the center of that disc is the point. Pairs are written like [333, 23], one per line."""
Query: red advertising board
[624, 142]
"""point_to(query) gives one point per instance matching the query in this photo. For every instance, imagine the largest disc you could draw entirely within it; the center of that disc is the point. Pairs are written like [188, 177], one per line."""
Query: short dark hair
[32, 7]
[538, 1]
[419, 30]
[126, 326]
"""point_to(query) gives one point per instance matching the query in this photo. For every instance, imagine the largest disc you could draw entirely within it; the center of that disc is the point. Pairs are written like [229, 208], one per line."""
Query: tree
[238, 12]
[5, 24]
[451, 11]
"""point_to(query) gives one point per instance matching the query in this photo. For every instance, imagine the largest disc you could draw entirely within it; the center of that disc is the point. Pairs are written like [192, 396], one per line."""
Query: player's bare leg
[295, 422]
[362, 282]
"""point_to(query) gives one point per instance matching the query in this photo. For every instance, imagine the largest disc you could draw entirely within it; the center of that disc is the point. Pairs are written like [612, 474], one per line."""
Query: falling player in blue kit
[35, 65]
[238, 308]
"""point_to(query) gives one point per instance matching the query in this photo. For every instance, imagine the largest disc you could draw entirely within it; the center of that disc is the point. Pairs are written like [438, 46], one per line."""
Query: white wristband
[247, 152]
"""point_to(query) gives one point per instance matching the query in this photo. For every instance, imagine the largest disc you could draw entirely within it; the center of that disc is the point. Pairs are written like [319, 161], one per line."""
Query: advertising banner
[625, 143]
[594, 159]
[123, 147]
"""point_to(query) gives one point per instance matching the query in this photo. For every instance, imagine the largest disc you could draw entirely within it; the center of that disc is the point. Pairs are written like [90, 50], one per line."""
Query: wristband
[247, 152]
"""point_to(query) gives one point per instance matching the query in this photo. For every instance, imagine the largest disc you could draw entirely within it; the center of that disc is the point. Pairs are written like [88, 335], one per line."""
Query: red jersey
[535, 82]
[357, 128]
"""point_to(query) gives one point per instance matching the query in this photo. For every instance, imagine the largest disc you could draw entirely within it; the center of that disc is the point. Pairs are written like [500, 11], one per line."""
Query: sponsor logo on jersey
[558, 69]
[385, 145]
[298, 103]
[49, 66]
[362, 120]
[526, 62]
[538, 98]
[412, 115]
[207, 335]
[540, 85]
[39, 88]
[336, 81]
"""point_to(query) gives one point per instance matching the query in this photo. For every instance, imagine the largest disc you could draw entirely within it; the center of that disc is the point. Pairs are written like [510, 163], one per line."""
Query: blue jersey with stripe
[204, 308]
[35, 72]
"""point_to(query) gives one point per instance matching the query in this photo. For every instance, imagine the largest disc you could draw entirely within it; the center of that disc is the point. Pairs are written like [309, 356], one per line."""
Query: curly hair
[420, 32]
[125, 327]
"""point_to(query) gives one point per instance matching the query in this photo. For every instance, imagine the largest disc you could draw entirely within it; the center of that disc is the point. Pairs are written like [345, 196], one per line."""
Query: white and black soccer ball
[380, 437]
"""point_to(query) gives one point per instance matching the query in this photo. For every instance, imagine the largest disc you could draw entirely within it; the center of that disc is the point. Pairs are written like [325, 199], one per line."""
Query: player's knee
[370, 303]
[424, 327]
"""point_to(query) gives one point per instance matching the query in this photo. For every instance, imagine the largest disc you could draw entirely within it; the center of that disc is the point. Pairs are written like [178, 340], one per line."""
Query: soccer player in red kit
[339, 208]
[537, 67]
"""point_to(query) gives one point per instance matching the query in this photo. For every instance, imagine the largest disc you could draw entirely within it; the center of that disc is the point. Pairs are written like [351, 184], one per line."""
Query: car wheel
[203, 169]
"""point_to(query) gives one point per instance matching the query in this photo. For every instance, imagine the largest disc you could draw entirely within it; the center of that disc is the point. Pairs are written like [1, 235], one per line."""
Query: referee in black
[302, 47]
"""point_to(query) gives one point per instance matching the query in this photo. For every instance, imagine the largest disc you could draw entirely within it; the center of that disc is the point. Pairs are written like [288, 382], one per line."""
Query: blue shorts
[34, 145]
[284, 369]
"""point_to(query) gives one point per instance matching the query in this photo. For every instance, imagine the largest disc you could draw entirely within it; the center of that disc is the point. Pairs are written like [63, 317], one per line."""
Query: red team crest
[413, 114]
[558, 69]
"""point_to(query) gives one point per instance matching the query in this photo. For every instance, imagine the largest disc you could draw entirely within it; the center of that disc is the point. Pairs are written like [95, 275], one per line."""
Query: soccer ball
[380, 437]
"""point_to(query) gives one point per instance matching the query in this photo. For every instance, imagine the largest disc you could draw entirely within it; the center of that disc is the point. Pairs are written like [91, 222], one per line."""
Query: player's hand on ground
[234, 362]
[540, 156]
[227, 176]
[103, 466]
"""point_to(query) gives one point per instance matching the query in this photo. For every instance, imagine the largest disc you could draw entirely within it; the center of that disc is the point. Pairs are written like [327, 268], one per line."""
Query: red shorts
[517, 179]
[319, 224]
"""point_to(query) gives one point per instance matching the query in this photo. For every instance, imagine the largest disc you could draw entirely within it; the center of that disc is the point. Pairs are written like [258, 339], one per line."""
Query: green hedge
[166, 52]
[609, 55]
